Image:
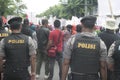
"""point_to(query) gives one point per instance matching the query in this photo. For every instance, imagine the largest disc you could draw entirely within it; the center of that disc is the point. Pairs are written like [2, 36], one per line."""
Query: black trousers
[85, 77]
[115, 76]
[58, 58]
[16, 75]
[0, 76]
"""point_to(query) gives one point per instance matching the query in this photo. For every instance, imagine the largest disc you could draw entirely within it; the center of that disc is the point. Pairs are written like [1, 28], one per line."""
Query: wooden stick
[110, 6]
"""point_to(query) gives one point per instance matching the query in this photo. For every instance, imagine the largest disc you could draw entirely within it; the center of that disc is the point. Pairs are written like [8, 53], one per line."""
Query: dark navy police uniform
[17, 49]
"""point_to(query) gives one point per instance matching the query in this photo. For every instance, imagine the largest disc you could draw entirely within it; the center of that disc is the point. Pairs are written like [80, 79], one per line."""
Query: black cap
[15, 19]
[89, 19]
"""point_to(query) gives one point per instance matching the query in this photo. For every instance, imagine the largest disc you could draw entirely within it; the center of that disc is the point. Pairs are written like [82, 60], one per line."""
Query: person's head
[45, 22]
[88, 22]
[69, 27]
[57, 23]
[15, 23]
[110, 24]
[102, 29]
[78, 28]
[26, 22]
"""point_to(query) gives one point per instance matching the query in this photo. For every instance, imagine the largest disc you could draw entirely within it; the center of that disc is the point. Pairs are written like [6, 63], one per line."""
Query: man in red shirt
[56, 38]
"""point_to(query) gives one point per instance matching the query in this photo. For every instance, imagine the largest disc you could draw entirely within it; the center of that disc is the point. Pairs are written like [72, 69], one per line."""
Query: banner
[104, 7]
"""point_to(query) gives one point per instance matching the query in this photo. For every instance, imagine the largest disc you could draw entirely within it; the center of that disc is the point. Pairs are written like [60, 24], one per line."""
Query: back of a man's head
[15, 23]
[78, 28]
[57, 23]
[89, 21]
[44, 21]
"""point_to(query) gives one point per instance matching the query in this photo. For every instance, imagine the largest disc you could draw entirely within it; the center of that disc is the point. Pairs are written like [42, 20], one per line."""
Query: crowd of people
[82, 51]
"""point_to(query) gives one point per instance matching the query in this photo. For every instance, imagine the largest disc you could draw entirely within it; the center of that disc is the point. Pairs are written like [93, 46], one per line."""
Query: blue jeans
[58, 58]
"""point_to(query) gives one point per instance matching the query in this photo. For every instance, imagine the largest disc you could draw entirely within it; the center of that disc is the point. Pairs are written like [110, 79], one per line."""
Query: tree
[4, 6]
[11, 7]
[19, 7]
[72, 8]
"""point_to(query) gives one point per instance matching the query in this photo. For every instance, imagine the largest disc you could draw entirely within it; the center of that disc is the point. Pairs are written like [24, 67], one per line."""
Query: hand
[33, 76]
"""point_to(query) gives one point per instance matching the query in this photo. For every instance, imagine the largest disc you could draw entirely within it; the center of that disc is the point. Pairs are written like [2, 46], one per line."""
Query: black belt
[82, 74]
[15, 69]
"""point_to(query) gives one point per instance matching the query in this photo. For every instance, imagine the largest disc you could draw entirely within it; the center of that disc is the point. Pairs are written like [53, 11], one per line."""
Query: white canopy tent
[107, 7]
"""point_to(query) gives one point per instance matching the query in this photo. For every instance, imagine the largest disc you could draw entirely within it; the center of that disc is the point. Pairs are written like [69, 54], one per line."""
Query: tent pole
[110, 6]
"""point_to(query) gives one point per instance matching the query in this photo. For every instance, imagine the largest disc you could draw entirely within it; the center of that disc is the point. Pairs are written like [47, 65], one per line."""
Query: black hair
[57, 23]
[78, 28]
[44, 21]
[69, 27]
[15, 25]
[88, 25]
[89, 21]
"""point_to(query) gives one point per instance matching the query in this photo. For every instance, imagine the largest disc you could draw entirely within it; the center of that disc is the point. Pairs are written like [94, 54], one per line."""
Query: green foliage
[73, 8]
[12, 7]
[19, 7]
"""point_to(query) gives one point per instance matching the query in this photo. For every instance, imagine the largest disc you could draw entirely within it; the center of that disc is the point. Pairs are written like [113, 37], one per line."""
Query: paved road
[56, 72]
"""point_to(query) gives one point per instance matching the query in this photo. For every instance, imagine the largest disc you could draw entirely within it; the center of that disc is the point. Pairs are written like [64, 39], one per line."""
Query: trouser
[85, 77]
[115, 76]
[0, 76]
[42, 56]
[16, 75]
[110, 75]
[58, 58]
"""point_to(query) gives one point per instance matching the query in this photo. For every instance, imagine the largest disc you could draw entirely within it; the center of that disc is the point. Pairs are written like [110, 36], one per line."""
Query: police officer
[19, 52]
[113, 60]
[3, 34]
[85, 53]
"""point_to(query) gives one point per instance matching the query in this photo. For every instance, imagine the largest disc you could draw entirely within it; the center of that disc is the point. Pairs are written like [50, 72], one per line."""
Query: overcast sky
[38, 6]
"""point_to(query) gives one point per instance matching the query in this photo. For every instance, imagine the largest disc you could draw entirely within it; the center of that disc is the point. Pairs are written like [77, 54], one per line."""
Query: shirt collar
[88, 34]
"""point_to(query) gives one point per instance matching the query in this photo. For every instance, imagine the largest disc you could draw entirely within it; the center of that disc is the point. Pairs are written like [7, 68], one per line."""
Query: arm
[67, 56]
[33, 64]
[2, 54]
[50, 40]
[65, 68]
[103, 65]
[32, 53]
[110, 61]
[103, 70]
[34, 37]
[49, 44]
[1, 64]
